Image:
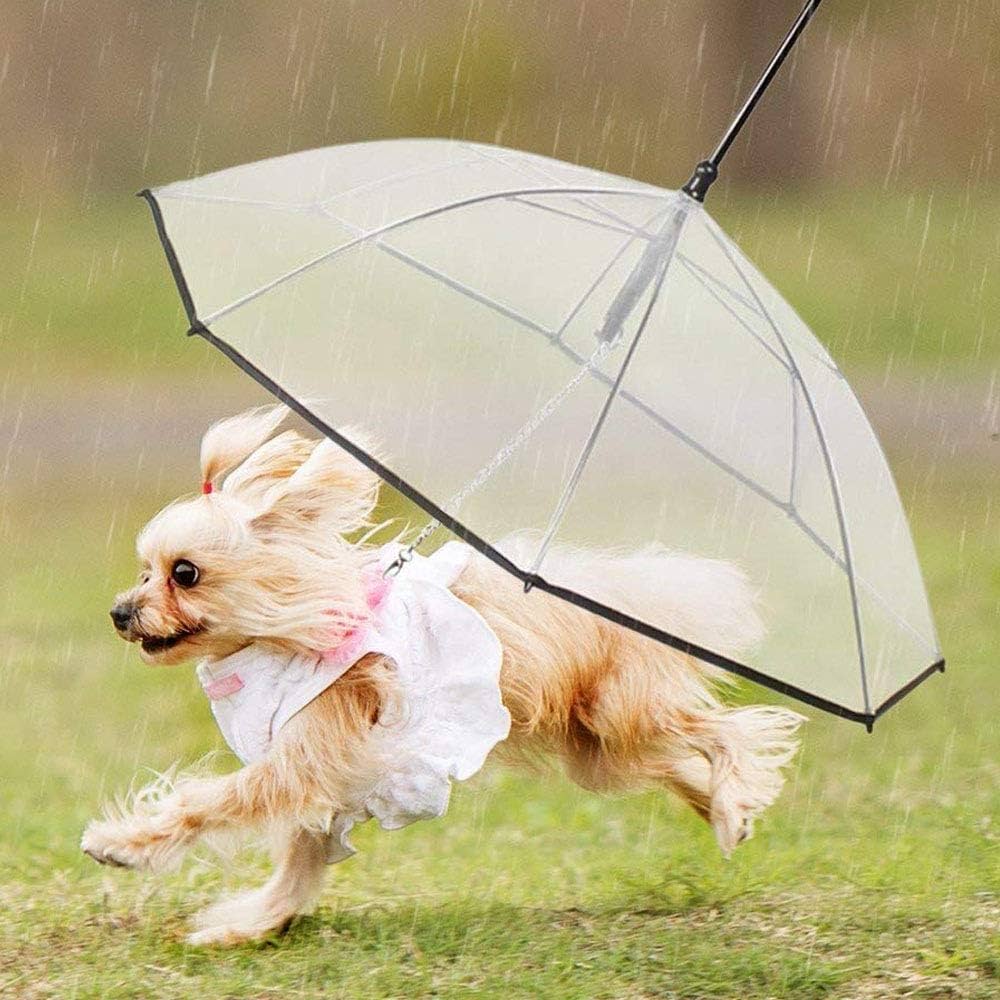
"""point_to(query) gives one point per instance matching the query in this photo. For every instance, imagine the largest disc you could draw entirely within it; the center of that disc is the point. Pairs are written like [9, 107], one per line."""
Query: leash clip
[405, 556]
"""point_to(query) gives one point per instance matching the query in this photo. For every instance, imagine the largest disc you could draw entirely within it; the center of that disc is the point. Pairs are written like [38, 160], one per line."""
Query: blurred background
[867, 188]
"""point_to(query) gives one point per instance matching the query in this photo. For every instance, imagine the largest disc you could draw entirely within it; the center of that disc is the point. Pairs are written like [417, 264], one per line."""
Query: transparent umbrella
[556, 356]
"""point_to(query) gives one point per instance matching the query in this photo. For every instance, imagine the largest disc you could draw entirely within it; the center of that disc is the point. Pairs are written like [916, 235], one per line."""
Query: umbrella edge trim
[175, 265]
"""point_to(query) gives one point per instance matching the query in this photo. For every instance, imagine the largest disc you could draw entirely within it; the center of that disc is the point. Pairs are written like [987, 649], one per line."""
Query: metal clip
[405, 556]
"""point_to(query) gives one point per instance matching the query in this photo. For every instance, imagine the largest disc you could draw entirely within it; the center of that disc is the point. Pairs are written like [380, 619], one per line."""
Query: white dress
[449, 716]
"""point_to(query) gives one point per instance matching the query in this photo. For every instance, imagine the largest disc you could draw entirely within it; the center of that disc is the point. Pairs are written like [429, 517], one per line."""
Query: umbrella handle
[706, 173]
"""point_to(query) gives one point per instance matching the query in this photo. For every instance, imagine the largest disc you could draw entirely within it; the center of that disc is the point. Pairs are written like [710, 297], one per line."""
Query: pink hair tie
[206, 487]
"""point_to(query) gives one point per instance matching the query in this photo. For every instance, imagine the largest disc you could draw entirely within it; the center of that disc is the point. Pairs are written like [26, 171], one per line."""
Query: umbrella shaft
[707, 171]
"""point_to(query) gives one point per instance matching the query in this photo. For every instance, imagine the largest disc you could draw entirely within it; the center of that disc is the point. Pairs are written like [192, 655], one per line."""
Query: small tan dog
[263, 557]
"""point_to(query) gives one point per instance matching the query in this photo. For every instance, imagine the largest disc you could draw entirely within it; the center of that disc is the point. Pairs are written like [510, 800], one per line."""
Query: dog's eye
[184, 573]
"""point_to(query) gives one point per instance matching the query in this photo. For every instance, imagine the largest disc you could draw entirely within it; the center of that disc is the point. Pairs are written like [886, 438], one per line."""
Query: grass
[876, 875]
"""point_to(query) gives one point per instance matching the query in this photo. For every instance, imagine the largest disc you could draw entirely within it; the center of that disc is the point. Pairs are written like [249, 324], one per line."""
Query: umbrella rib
[448, 280]
[535, 170]
[795, 444]
[821, 360]
[464, 289]
[676, 223]
[831, 472]
[712, 279]
[628, 230]
[676, 432]
[868, 586]
[694, 270]
[614, 216]
[398, 223]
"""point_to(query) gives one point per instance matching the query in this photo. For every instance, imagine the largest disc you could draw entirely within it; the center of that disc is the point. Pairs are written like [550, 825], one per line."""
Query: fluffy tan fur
[618, 710]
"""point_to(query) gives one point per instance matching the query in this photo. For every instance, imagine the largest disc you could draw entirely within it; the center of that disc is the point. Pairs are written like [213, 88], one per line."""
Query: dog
[275, 552]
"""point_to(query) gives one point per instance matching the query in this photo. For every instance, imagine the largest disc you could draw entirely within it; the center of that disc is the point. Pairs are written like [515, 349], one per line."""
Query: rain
[865, 189]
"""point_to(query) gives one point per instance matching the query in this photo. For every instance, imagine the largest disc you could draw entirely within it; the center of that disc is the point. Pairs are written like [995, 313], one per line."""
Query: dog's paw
[228, 936]
[106, 843]
[732, 828]
[121, 846]
[250, 916]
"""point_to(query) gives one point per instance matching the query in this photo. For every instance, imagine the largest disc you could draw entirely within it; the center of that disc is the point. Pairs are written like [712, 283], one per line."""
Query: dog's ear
[273, 461]
[229, 442]
[331, 488]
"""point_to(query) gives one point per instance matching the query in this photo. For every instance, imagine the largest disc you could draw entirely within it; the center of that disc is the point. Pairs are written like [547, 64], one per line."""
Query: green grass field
[877, 875]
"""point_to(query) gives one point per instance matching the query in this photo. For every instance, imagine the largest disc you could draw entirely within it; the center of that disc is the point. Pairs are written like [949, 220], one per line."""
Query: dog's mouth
[160, 643]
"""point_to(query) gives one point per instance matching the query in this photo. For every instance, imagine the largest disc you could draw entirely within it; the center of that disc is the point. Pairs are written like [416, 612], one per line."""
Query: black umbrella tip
[704, 176]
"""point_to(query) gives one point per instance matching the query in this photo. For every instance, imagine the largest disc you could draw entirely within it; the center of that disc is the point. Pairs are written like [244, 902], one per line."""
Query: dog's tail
[746, 751]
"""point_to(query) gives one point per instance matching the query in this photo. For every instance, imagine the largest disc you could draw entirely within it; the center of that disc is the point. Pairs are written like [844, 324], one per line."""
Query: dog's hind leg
[652, 720]
[748, 748]
[733, 765]
[300, 860]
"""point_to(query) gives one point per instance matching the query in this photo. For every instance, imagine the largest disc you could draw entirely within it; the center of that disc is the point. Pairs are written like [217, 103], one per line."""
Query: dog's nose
[121, 615]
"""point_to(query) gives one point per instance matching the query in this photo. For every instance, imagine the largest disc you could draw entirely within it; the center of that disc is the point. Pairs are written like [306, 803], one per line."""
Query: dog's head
[260, 555]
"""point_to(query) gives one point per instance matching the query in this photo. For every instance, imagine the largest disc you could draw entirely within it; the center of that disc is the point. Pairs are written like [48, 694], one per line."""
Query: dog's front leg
[157, 831]
[300, 862]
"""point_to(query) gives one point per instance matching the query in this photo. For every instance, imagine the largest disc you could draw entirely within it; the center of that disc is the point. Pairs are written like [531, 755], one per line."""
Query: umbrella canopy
[556, 356]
